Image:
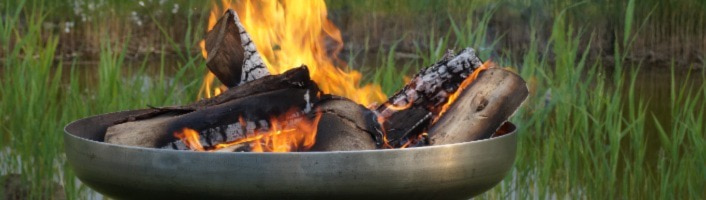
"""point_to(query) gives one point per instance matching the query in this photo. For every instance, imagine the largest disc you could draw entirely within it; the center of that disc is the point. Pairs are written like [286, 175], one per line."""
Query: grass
[585, 132]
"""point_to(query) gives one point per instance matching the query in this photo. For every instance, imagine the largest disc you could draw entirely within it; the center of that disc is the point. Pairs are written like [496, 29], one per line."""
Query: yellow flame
[283, 135]
[289, 33]
[190, 138]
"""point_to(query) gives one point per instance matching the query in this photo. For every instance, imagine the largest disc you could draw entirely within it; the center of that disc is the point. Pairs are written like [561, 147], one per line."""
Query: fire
[464, 84]
[289, 33]
[283, 135]
[190, 138]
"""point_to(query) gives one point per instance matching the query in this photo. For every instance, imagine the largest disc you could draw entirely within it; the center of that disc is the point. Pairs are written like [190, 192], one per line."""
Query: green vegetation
[585, 132]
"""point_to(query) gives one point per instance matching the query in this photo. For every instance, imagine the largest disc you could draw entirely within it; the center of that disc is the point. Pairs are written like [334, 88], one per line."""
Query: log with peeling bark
[254, 100]
[232, 55]
[481, 108]
[409, 111]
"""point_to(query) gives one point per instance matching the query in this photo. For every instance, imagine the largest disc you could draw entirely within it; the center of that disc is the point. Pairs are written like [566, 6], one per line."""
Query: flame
[398, 108]
[283, 135]
[464, 84]
[190, 138]
[289, 33]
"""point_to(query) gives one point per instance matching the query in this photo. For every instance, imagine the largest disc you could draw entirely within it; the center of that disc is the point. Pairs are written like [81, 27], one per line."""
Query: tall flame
[289, 33]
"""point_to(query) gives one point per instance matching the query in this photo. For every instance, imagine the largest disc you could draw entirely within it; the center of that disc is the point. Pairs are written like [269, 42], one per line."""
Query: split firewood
[232, 55]
[409, 111]
[254, 101]
[481, 108]
[344, 126]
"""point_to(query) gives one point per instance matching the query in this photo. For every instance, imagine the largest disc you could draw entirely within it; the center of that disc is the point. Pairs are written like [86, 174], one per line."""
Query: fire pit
[306, 133]
[453, 171]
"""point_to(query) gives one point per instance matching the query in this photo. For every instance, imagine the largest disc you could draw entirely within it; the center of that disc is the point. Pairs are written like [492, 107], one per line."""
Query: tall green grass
[41, 93]
[585, 132]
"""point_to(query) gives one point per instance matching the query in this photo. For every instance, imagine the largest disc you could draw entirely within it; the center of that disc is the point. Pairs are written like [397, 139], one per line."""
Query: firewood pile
[457, 99]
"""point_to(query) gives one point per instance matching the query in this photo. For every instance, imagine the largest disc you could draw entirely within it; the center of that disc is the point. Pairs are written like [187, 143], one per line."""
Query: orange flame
[464, 84]
[190, 138]
[289, 33]
[283, 135]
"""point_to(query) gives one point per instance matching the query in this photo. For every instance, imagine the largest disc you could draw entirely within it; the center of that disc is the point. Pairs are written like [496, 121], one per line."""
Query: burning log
[409, 111]
[341, 125]
[288, 112]
[293, 78]
[481, 108]
[232, 55]
[243, 117]
[255, 100]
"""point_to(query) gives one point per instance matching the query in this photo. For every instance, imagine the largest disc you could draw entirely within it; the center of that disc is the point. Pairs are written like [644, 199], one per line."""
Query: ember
[265, 103]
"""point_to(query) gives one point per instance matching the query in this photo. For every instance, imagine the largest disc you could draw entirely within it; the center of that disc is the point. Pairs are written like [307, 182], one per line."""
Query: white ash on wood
[232, 55]
[254, 98]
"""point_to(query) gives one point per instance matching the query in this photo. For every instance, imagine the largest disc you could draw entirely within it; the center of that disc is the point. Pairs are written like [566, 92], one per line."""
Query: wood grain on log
[143, 133]
[344, 126]
[232, 55]
[481, 108]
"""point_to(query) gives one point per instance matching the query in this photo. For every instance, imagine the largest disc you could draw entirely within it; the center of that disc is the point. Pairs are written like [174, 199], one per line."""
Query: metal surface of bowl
[457, 171]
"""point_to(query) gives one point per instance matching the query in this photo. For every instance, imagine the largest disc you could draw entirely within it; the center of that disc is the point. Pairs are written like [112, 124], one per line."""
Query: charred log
[423, 97]
[343, 126]
[481, 108]
[432, 86]
[293, 78]
[232, 55]
[403, 124]
[243, 117]
[254, 101]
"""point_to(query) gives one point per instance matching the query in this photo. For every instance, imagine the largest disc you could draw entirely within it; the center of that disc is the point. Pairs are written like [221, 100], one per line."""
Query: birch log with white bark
[232, 55]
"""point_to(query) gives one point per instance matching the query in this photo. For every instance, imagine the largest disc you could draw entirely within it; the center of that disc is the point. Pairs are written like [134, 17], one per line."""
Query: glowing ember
[289, 33]
[283, 135]
[190, 138]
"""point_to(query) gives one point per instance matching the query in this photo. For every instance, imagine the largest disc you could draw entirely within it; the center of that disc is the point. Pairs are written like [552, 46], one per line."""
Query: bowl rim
[511, 133]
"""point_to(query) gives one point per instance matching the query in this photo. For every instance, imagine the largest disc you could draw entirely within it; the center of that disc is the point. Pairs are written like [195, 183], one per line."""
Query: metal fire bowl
[457, 171]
